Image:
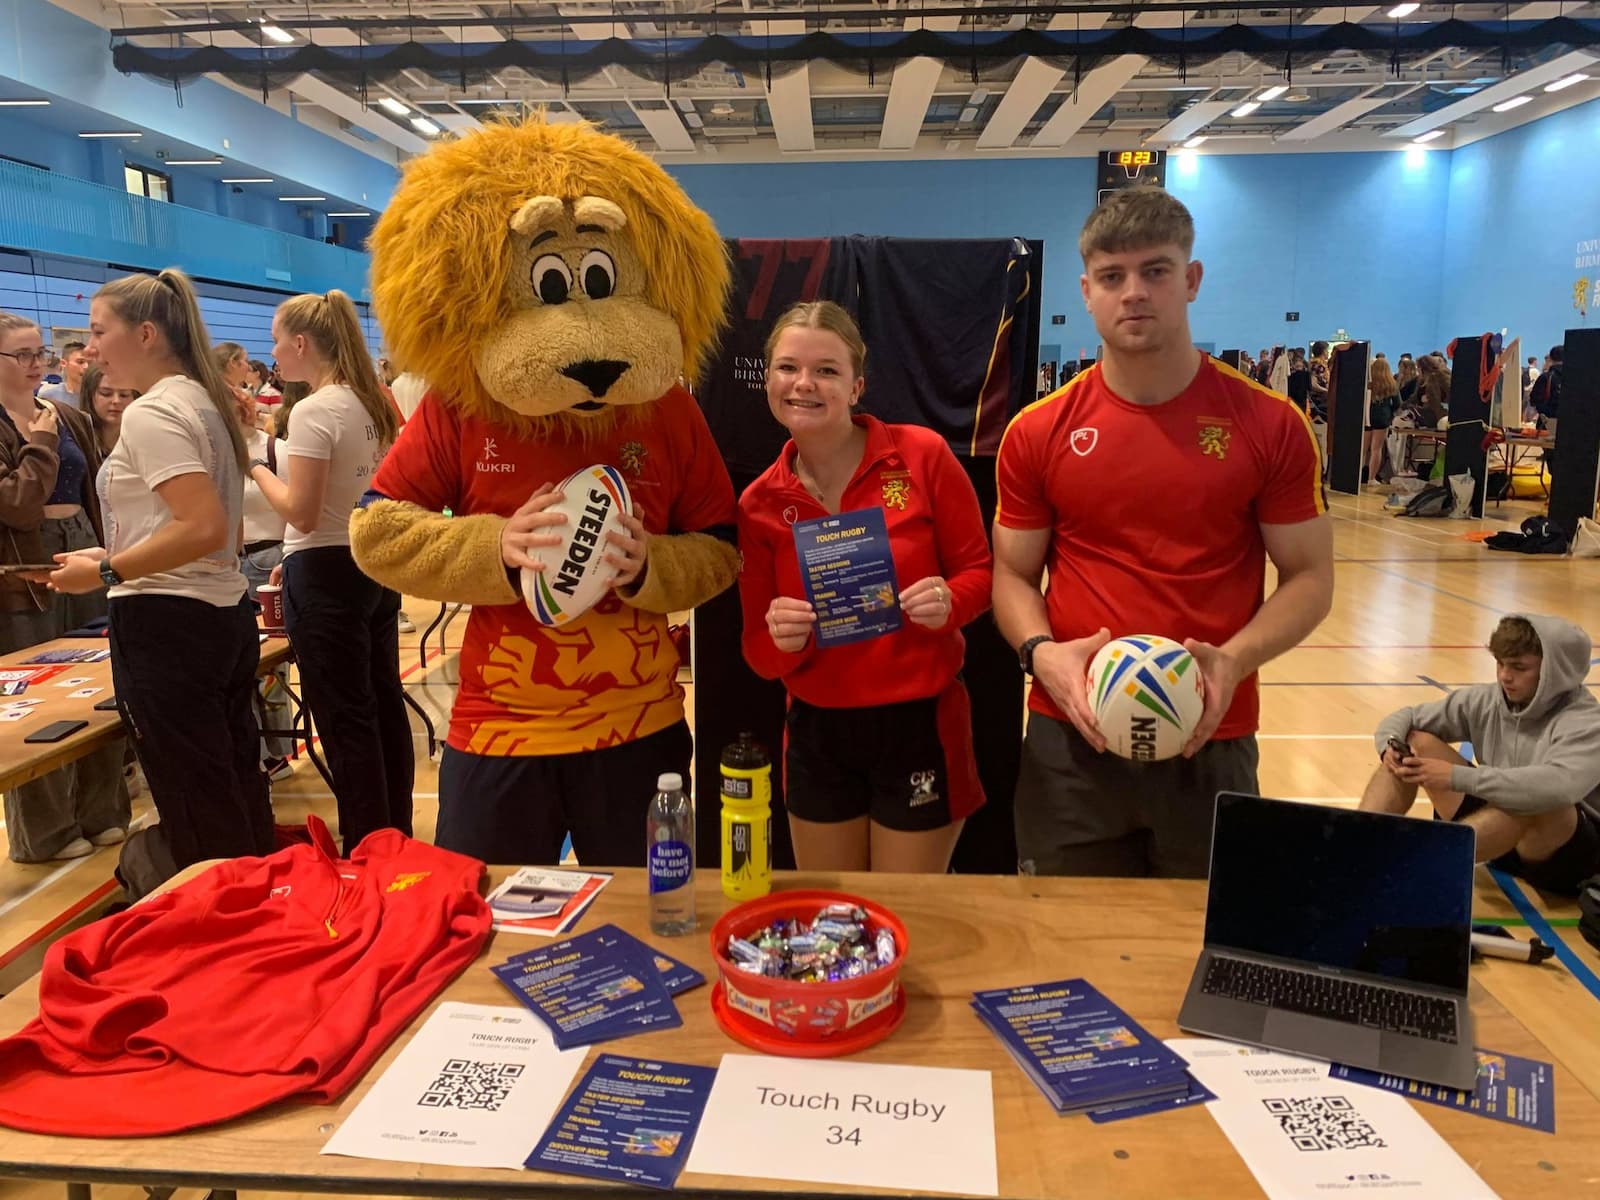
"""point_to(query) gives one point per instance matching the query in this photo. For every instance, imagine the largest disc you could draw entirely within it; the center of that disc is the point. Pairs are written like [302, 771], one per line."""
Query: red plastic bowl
[785, 1016]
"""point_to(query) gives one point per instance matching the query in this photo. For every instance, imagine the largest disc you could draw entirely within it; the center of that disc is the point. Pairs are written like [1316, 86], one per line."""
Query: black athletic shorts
[1564, 871]
[908, 766]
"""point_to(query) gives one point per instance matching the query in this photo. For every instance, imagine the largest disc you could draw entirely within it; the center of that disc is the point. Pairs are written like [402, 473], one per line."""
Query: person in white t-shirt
[184, 648]
[344, 625]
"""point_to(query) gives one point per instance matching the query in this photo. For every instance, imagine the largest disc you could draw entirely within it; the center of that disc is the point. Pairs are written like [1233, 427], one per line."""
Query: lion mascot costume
[554, 286]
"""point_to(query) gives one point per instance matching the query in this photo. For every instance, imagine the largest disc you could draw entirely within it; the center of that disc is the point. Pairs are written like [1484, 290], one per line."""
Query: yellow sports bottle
[746, 820]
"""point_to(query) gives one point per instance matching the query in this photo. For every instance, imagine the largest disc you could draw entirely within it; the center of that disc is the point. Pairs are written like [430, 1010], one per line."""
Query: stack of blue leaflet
[599, 985]
[1084, 1053]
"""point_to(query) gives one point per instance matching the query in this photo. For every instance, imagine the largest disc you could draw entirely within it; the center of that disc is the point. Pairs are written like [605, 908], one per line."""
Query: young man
[1154, 487]
[73, 362]
[1533, 798]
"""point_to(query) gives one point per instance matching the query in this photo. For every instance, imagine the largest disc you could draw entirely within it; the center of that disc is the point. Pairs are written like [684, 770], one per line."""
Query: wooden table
[21, 762]
[1135, 939]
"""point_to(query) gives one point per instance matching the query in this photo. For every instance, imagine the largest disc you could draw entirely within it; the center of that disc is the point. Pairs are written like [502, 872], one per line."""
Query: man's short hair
[1137, 218]
[72, 348]
[1514, 637]
[1556, 353]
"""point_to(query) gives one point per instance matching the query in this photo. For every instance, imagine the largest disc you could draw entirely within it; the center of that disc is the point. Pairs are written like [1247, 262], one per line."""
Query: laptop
[1338, 935]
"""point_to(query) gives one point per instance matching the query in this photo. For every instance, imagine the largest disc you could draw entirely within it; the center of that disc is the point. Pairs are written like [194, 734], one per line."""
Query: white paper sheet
[1305, 1135]
[910, 1128]
[475, 1087]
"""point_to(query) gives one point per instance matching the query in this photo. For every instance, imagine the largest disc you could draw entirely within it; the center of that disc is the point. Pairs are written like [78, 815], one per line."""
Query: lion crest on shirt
[1214, 441]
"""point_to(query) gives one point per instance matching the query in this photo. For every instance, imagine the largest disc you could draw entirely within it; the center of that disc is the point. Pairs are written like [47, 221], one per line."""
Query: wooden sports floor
[1414, 605]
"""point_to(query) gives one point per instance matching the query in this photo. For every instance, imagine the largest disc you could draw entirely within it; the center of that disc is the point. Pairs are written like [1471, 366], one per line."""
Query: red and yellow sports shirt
[609, 676]
[1156, 510]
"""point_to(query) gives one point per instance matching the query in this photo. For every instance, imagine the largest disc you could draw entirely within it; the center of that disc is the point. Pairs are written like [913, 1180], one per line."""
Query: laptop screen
[1355, 891]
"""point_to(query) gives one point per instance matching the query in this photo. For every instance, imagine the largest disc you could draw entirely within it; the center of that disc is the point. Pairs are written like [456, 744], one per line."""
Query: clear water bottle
[670, 851]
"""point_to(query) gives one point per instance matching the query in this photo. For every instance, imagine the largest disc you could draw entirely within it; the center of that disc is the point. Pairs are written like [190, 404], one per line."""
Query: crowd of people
[196, 505]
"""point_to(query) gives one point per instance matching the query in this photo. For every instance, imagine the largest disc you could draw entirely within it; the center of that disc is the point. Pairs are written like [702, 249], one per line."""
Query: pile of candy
[838, 944]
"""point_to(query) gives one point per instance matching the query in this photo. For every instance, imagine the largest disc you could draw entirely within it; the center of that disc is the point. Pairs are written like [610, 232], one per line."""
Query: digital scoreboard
[1121, 169]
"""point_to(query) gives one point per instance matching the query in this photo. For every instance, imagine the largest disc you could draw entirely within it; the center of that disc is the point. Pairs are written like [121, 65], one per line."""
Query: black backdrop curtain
[952, 330]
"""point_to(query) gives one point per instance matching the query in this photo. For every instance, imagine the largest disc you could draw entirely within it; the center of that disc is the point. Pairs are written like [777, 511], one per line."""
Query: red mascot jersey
[262, 979]
[611, 676]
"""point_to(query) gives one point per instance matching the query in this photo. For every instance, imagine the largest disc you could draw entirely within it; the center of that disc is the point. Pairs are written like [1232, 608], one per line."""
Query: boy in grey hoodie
[1533, 798]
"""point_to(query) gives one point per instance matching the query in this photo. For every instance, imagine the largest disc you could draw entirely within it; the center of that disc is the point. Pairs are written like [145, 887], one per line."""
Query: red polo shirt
[935, 528]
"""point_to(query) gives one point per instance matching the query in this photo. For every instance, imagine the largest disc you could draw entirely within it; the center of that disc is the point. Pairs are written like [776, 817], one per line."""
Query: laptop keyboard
[1317, 995]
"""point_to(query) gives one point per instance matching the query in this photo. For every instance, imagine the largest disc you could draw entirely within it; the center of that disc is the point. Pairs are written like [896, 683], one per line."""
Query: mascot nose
[596, 374]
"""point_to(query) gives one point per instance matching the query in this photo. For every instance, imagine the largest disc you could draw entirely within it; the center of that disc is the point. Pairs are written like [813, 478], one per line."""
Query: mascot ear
[540, 212]
[597, 210]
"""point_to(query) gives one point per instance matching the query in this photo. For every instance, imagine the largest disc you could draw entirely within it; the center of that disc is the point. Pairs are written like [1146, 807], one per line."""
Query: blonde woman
[879, 767]
[183, 634]
[344, 626]
[1383, 399]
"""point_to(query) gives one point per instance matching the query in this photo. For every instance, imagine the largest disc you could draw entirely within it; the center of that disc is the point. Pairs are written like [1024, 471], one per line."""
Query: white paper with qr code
[1303, 1134]
[475, 1087]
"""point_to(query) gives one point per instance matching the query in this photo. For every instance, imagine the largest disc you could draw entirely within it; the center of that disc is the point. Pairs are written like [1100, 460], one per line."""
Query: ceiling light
[349, 214]
[1298, 96]
[194, 162]
[722, 109]
[262, 179]
[1245, 109]
[1428, 137]
[1403, 10]
[1272, 93]
[394, 106]
[301, 199]
[45, 103]
[969, 113]
[1198, 139]
[92, 134]
[1557, 86]
[1514, 102]
[282, 36]
[423, 125]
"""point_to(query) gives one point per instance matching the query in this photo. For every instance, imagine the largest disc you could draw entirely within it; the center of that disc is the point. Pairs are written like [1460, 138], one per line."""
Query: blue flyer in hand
[1518, 1091]
[591, 988]
[847, 566]
[628, 1121]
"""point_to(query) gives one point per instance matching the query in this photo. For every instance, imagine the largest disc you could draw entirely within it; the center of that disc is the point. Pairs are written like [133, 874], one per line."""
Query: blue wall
[1520, 205]
[1347, 240]
[62, 55]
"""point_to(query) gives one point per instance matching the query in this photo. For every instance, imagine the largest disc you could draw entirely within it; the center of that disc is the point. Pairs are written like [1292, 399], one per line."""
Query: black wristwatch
[108, 573]
[1025, 651]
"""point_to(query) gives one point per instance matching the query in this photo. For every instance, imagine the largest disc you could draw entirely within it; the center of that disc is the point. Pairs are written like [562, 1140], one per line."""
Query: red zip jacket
[262, 979]
[935, 528]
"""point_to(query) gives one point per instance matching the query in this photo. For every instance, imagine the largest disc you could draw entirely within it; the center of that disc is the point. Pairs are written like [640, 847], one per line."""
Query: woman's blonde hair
[12, 323]
[1383, 382]
[330, 322]
[1408, 370]
[167, 300]
[222, 353]
[823, 314]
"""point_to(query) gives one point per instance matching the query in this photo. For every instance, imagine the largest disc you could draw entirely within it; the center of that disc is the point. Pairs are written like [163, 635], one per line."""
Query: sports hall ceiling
[747, 80]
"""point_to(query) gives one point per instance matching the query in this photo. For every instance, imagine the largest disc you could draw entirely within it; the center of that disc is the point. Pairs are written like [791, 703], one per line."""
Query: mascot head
[535, 272]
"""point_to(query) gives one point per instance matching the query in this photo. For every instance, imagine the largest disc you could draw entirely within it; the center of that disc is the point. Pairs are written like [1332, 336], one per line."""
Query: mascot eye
[552, 278]
[599, 275]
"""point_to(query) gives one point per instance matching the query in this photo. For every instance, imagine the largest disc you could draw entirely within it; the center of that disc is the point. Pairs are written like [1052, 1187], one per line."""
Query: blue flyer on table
[591, 988]
[1078, 1047]
[629, 1121]
[1518, 1091]
[847, 566]
[1197, 1093]
[677, 976]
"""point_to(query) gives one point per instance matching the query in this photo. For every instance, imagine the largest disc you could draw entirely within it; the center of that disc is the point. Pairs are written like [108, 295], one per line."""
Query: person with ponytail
[184, 649]
[344, 626]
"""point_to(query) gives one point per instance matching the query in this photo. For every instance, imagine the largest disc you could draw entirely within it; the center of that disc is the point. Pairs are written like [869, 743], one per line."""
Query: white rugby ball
[1147, 696]
[575, 574]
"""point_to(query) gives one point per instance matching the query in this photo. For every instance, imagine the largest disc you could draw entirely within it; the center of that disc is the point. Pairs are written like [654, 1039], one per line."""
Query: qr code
[462, 1083]
[1323, 1123]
